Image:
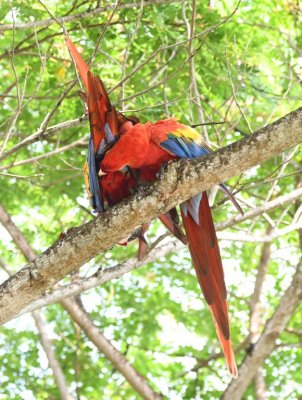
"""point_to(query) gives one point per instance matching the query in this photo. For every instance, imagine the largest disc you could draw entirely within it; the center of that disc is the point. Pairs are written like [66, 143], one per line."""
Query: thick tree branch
[180, 181]
[102, 276]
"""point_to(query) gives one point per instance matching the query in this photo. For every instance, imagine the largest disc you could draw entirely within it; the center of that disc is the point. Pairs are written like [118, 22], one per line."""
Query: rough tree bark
[180, 181]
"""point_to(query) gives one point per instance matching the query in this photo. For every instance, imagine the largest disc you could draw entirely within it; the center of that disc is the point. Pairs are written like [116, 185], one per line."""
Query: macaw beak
[101, 173]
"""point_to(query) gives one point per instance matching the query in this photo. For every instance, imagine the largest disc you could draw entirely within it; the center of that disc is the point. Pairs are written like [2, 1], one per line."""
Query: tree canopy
[229, 68]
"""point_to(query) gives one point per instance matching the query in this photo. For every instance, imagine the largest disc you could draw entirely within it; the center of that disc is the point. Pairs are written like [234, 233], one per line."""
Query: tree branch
[137, 381]
[180, 181]
[51, 356]
[82, 15]
[41, 134]
[102, 276]
[256, 311]
[254, 212]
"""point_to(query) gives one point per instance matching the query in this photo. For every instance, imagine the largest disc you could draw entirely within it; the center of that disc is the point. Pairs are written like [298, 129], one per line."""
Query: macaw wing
[103, 125]
[186, 143]
[103, 128]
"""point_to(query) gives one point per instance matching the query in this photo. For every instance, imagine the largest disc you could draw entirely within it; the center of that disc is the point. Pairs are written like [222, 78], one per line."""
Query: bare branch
[248, 238]
[43, 134]
[193, 86]
[51, 356]
[46, 155]
[137, 381]
[278, 202]
[235, 95]
[255, 303]
[85, 14]
[126, 52]
[256, 308]
[260, 386]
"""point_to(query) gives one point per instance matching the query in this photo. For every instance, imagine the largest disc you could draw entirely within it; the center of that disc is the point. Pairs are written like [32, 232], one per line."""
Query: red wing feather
[205, 254]
[103, 118]
[95, 117]
[100, 110]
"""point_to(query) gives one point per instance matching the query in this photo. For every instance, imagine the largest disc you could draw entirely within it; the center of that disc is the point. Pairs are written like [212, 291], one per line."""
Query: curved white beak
[101, 173]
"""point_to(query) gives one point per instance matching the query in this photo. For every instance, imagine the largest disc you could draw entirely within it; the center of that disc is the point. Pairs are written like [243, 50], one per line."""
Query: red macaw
[137, 152]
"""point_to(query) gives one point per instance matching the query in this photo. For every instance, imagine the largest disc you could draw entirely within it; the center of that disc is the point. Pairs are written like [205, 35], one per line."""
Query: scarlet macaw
[124, 151]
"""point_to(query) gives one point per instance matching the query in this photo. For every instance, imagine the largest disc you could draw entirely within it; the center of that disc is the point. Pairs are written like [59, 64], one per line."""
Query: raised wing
[103, 126]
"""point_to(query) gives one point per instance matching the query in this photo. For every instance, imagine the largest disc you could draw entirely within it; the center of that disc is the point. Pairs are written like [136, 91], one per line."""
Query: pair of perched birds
[123, 153]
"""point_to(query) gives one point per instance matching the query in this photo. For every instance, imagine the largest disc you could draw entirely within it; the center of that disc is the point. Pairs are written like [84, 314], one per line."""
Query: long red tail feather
[206, 258]
[82, 67]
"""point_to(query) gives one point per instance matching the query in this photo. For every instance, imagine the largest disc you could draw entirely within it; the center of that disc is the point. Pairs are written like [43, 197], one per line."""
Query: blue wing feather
[187, 148]
[184, 148]
[96, 200]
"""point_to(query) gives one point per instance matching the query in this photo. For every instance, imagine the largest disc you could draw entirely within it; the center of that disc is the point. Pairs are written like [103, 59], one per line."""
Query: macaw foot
[65, 233]
[143, 246]
[134, 235]
[62, 235]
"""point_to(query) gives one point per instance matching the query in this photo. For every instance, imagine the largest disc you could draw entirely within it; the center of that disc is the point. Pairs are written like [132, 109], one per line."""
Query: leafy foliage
[249, 72]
